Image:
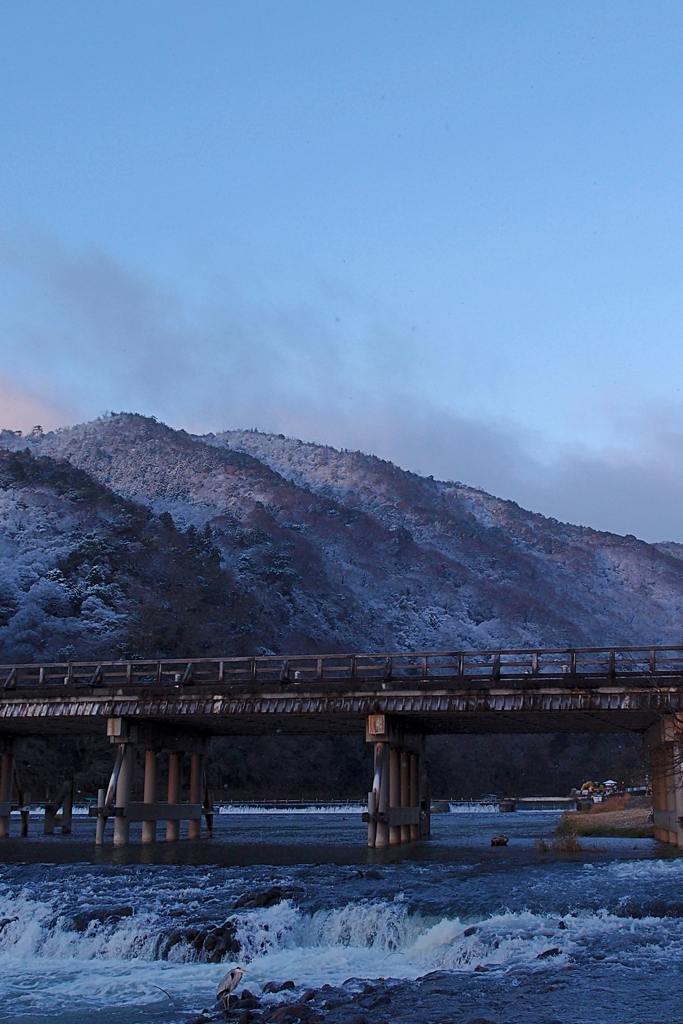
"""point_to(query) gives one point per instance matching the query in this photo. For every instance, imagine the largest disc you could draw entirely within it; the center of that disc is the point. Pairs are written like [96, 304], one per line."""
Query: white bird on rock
[228, 984]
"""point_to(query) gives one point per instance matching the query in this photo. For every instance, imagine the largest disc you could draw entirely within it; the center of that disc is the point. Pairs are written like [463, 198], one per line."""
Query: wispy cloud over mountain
[82, 334]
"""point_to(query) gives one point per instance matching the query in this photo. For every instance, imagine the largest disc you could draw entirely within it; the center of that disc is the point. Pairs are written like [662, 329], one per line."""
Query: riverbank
[614, 819]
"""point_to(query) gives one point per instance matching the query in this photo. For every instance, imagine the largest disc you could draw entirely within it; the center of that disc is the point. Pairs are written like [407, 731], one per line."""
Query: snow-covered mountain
[247, 542]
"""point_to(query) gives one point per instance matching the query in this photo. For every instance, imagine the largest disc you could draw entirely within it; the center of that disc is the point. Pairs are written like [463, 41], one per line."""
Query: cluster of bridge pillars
[117, 800]
[13, 796]
[399, 801]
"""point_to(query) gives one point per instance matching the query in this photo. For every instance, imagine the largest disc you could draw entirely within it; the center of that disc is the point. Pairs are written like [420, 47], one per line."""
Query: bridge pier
[118, 802]
[398, 803]
[664, 745]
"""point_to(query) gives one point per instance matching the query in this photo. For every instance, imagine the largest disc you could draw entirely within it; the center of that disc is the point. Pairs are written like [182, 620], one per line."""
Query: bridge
[396, 699]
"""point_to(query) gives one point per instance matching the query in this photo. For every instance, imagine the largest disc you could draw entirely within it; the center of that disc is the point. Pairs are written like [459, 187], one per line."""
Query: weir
[163, 713]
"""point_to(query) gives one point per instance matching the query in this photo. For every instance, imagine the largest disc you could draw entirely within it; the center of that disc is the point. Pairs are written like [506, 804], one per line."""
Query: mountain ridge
[340, 550]
[125, 538]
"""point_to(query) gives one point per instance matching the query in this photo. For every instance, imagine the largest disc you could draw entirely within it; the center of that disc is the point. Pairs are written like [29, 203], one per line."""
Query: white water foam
[45, 961]
[77, 811]
[308, 809]
[666, 870]
[474, 807]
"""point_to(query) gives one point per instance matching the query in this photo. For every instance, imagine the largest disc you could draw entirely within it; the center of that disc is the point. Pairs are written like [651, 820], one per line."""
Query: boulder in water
[293, 1012]
[111, 916]
[212, 943]
[246, 1000]
[275, 986]
[267, 898]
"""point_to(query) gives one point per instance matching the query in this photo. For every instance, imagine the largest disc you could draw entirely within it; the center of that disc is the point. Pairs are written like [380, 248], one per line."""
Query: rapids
[456, 930]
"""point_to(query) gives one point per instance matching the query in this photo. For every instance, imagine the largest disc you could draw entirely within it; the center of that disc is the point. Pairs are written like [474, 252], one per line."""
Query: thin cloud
[83, 334]
[20, 410]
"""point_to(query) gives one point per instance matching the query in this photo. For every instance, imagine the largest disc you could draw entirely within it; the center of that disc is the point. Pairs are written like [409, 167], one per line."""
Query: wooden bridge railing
[511, 667]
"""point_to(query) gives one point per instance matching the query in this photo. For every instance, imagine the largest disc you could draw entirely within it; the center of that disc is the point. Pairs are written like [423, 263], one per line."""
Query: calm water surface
[457, 929]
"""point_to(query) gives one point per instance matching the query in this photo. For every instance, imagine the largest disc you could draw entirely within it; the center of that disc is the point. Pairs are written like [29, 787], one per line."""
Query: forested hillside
[125, 538]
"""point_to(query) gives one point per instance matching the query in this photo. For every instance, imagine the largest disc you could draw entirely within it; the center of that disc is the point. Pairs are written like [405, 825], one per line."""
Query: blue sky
[446, 233]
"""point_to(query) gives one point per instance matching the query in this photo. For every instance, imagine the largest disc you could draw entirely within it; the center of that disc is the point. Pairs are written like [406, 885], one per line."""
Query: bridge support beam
[398, 803]
[425, 797]
[173, 825]
[394, 793]
[101, 820]
[124, 787]
[405, 792]
[149, 796]
[6, 784]
[664, 746]
[414, 792]
[194, 826]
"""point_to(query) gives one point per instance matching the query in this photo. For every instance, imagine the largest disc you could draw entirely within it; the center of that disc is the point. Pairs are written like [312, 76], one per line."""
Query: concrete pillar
[657, 773]
[124, 788]
[194, 828]
[149, 795]
[25, 812]
[173, 827]
[101, 820]
[414, 793]
[425, 796]
[405, 792]
[373, 795]
[49, 819]
[671, 783]
[678, 789]
[394, 792]
[208, 811]
[664, 746]
[6, 779]
[382, 835]
[67, 809]
[372, 824]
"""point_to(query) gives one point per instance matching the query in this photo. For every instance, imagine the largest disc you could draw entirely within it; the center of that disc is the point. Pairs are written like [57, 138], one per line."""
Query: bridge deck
[571, 690]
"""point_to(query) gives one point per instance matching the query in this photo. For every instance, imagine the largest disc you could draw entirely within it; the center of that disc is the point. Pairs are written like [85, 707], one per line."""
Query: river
[457, 929]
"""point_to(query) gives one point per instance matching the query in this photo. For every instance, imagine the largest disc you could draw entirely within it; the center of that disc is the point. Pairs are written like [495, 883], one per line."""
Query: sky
[449, 234]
